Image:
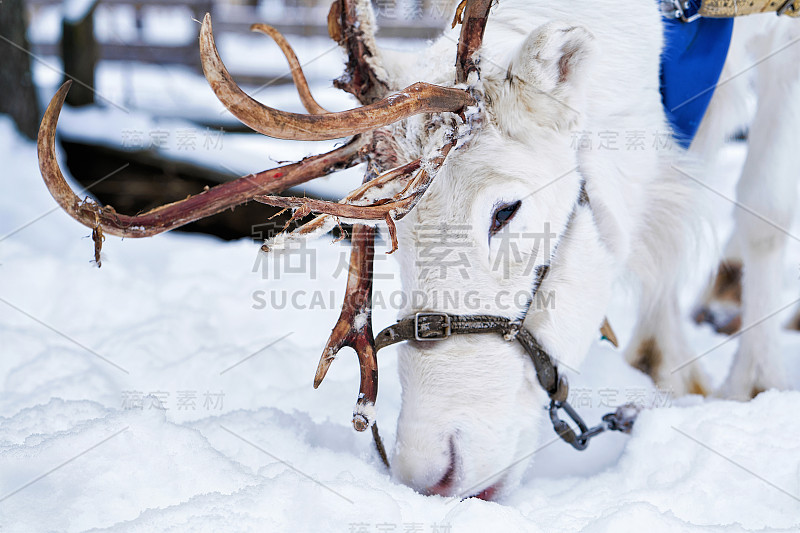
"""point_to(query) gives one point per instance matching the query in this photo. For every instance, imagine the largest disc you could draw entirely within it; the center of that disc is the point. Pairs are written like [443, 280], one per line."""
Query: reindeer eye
[502, 215]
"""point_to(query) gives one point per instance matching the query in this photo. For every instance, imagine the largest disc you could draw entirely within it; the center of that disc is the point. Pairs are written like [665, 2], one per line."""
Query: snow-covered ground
[166, 391]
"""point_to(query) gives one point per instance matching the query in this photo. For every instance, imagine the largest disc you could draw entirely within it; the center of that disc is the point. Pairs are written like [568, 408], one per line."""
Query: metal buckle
[445, 332]
[578, 440]
[788, 6]
[680, 8]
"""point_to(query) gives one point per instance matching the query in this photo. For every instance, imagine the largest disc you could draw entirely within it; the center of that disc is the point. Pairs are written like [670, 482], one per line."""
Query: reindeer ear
[554, 55]
[548, 72]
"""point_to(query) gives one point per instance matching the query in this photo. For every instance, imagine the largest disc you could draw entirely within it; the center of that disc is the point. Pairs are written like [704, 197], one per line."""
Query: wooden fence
[296, 17]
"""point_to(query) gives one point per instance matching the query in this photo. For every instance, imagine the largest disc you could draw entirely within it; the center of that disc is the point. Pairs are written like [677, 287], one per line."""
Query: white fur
[768, 98]
[548, 70]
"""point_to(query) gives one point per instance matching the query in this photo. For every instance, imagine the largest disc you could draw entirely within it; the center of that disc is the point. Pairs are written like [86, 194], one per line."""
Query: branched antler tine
[347, 21]
[354, 212]
[475, 16]
[396, 208]
[299, 78]
[413, 100]
[425, 178]
[323, 223]
[345, 208]
[354, 327]
[170, 216]
[399, 174]
[388, 210]
[385, 210]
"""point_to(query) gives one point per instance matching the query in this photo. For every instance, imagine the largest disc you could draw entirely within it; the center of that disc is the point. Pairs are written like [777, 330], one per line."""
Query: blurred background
[142, 127]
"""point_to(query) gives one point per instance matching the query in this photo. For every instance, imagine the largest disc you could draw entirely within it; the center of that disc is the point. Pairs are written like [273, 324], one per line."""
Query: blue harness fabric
[691, 64]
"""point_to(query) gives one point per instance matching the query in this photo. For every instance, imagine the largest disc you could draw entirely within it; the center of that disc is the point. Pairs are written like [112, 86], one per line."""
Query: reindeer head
[504, 226]
[506, 194]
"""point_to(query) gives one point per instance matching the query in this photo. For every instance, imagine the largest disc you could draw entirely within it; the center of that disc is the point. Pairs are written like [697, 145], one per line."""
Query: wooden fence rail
[307, 20]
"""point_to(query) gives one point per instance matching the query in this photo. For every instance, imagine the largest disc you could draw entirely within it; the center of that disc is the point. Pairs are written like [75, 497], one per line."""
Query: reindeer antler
[204, 204]
[298, 77]
[413, 100]
[384, 208]
[350, 23]
[475, 16]
[354, 327]
[347, 21]
[399, 176]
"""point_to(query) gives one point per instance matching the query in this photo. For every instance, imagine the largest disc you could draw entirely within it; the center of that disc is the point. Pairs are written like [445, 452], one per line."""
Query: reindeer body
[762, 96]
[549, 71]
[471, 406]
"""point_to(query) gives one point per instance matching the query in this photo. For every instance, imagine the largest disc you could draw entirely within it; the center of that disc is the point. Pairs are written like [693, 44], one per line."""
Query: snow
[259, 448]
[366, 413]
[161, 392]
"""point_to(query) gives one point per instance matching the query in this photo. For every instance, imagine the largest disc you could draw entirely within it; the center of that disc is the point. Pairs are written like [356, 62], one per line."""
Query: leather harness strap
[440, 326]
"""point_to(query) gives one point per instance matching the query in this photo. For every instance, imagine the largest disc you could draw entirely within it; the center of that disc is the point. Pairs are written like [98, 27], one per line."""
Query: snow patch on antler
[360, 320]
[287, 241]
[366, 411]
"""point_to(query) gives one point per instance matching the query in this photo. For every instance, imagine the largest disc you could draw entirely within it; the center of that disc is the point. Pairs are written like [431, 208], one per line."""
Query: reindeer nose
[428, 465]
[445, 485]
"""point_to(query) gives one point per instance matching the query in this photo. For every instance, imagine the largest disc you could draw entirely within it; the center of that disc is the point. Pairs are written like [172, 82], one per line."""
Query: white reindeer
[471, 405]
[762, 92]
[510, 189]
